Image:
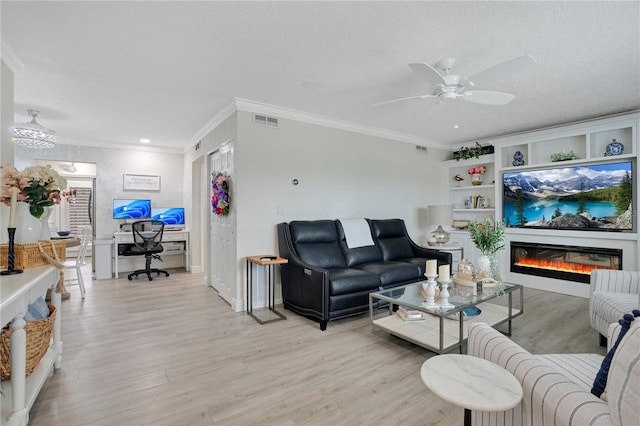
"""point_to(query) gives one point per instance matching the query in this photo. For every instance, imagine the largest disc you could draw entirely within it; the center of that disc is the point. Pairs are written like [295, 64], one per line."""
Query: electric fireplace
[571, 263]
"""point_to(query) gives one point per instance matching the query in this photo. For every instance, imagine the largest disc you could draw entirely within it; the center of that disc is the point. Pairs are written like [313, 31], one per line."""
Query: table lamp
[439, 215]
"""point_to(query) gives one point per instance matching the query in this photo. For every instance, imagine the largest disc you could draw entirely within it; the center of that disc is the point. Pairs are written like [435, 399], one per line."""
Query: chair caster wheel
[130, 279]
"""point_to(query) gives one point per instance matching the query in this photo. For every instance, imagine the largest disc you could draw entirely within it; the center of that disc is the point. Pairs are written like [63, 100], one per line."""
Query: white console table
[176, 251]
[18, 291]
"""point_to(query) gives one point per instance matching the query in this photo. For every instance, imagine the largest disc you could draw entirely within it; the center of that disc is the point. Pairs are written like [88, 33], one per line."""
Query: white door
[222, 241]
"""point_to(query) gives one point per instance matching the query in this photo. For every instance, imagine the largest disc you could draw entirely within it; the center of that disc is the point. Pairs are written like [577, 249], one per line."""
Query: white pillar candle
[432, 267]
[12, 208]
[443, 273]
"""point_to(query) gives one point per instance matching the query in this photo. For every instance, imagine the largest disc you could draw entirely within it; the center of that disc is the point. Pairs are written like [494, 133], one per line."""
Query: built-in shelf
[472, 187]
[480, 209]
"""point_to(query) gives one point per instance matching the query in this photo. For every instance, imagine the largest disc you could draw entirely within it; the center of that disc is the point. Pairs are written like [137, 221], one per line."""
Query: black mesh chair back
[147, 241]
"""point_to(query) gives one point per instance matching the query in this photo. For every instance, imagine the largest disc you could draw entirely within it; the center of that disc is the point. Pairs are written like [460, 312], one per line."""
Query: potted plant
[488, 237]
[476, 151]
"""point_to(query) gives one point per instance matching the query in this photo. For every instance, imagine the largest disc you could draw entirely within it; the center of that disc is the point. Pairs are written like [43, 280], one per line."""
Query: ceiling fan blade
[503, 70]
[428, 73]
[488, 97]
[392, 101]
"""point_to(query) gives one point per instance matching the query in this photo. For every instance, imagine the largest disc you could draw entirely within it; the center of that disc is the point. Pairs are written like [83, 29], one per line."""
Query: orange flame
[560, 265]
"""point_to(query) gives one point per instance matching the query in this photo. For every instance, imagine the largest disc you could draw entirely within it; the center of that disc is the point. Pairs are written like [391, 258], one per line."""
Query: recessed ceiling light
[455, 126]
[310, 85]
[145, 140]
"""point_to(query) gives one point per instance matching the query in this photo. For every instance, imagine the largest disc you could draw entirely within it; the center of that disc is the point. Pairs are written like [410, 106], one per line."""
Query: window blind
[79, 209]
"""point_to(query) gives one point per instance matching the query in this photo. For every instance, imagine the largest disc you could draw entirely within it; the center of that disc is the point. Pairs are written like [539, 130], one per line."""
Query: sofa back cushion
[623, 386]
[317, 243]
[358, 255]
[392, 238]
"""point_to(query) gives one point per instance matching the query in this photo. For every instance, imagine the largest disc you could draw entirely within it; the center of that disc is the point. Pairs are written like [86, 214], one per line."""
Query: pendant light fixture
[33, 135]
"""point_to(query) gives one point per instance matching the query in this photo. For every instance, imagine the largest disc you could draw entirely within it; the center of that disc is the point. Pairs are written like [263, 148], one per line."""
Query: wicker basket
[38, 339]
[28, 255]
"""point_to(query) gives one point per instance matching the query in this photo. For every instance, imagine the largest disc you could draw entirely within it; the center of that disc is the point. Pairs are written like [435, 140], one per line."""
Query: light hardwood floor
[171, 352]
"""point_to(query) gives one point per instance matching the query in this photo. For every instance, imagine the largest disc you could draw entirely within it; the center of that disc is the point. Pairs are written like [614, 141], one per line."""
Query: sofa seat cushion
[392, 272]
[579, 368]
[348, 280]
[420, 262]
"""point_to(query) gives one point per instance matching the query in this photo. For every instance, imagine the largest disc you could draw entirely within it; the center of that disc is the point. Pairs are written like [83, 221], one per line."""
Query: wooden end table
[268, 261]
[471, 383]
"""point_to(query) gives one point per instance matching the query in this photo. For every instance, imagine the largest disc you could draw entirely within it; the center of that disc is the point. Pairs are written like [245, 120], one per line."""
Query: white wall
[340, 174]
[111, 164]
[6, 145]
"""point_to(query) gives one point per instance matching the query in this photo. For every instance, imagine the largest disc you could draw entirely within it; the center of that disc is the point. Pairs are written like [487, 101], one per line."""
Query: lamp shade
[440, 215]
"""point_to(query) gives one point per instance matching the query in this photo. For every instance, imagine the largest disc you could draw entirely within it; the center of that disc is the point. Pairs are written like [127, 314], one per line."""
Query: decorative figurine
[458, 179]
[518, 159]
[614, 148]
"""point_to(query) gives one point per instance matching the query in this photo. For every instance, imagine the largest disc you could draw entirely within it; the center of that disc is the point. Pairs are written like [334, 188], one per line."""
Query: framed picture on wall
[132, 182]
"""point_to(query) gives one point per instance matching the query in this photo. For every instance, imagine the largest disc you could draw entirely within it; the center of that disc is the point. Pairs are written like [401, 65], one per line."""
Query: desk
[471, 383]
[176, 251]
[268, 261]
[18, 291]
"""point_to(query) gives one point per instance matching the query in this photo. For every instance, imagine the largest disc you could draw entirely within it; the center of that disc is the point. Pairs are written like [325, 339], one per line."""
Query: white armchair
[557, 388]
[612, 294]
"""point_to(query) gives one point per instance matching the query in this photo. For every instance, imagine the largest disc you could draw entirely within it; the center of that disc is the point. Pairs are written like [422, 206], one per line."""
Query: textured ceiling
[115, 72]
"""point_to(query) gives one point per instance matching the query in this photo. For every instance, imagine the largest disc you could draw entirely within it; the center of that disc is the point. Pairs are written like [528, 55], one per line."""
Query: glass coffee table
[441, 330]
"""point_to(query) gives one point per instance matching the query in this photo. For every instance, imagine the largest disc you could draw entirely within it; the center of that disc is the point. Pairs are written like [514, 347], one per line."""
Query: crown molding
[10, 58]
[222, 115]
[305, 117]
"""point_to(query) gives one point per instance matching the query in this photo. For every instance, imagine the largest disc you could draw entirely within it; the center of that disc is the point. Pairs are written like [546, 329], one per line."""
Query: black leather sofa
[325, 280]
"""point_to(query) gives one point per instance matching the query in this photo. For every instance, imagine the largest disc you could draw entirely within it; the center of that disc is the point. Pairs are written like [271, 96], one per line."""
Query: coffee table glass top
[411, 295]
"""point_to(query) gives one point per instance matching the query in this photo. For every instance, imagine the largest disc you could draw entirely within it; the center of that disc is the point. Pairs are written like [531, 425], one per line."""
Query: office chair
[147, 239]
[85, 239]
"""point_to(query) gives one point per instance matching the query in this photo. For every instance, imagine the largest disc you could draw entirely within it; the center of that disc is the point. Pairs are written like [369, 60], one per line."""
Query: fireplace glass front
[571, 263]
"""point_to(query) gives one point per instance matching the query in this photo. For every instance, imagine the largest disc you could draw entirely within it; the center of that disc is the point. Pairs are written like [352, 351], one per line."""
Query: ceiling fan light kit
[449, 87]
[33, 135]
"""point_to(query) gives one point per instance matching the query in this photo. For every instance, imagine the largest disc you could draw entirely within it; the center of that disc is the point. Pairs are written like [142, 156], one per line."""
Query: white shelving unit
[588, 141]
[459, 192]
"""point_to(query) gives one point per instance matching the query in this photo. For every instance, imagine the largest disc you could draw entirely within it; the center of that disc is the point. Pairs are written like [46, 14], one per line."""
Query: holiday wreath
[220, 197]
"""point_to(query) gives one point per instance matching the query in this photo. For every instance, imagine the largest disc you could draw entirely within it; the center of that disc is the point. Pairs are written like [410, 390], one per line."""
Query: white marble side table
[471, 383]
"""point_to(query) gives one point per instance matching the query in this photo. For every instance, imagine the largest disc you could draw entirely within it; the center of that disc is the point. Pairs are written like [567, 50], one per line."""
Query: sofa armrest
[444, 258]
[549, 397]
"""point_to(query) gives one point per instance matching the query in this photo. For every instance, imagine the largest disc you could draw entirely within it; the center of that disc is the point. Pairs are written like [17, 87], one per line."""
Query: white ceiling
[115, 72]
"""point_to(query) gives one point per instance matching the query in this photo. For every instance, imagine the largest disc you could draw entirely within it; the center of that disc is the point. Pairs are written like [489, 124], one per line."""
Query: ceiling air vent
[265, 120]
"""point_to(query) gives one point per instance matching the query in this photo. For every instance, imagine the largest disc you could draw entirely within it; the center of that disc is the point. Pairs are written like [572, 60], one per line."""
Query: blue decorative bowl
[64, 233]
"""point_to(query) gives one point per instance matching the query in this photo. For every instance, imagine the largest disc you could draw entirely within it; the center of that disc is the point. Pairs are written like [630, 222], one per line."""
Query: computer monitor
[169, 215]
[131, 209]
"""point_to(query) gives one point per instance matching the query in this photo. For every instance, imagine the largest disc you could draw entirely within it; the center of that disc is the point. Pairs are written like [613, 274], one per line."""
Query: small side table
[268, 261]
[456, 250]
[471, 383]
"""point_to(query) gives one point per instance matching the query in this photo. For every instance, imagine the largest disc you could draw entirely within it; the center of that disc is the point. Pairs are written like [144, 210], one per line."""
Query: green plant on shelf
[563, 156]
[472, 152]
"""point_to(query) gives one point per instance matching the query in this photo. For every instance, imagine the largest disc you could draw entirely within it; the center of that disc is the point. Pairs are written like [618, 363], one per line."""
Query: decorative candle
[443, 273]
[432, 266]
[12, 210]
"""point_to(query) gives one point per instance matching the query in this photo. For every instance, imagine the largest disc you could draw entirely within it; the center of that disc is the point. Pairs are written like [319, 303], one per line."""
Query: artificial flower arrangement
[38, 186]
[220, 194]
[480, 170]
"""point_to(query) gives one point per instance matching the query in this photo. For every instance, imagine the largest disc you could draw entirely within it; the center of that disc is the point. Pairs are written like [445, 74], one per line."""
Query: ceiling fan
[450, 87]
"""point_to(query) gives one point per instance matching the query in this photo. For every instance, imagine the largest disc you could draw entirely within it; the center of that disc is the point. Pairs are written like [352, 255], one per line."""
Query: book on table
[407, 313]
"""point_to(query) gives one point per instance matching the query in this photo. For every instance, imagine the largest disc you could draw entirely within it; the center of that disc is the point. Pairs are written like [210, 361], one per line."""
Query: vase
[476, 179]
[614, 148]
[483, 264]
[28, 227]
[45, 232]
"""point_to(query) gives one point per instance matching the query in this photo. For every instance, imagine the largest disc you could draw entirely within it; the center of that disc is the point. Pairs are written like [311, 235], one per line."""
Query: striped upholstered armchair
[557, 388]
[613, 294]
